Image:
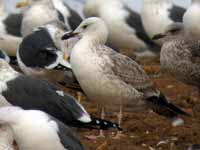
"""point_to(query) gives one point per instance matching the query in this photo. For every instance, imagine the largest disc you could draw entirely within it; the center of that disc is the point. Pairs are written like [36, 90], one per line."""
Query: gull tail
[162, 106]
[61, 67]
[97, 123]
[74, 114]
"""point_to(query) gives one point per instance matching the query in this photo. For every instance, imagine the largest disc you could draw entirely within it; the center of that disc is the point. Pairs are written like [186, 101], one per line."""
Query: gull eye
[85, 26]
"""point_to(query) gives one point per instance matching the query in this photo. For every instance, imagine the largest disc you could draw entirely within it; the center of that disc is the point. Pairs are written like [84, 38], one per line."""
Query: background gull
[41, 50]
[33, 129]
[126, 31]
[158, 14]
[43, 54]
[9, 30]
[40, 12]
[113, 79]
[180, 54]
[191, 18]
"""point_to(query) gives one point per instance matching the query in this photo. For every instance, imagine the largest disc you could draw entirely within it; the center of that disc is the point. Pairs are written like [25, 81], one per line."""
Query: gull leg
[119, 133]
[101, 134]
[79, 95]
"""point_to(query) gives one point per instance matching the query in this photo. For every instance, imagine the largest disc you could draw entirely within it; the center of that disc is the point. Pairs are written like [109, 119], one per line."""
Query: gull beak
[68, 35]
[23, 3]
[66, 57]
[158, 36]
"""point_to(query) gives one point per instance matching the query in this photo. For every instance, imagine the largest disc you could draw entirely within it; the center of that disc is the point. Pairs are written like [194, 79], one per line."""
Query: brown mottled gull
[111, 78]
[180, 54]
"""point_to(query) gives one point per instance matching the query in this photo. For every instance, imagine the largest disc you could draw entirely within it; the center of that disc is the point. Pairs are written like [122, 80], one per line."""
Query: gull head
[171, 32]
[92, 28]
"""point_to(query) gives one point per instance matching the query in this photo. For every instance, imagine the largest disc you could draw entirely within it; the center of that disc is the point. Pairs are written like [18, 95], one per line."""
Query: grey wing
[127, 69]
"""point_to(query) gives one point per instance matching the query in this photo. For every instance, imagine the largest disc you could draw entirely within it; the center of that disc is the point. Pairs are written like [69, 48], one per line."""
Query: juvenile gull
[158, 14]
[42, 11]
[191, 18]
[34, 129]
[112, 79]
[32, 93]
[180, 54]
[126, 31]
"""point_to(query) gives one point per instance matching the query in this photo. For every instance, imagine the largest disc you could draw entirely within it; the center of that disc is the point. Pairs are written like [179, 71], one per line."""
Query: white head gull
[43, 54]
[158, 14]
[191, 18]
[40, 12]
[125, 27]
[34, 129]
[112, 79]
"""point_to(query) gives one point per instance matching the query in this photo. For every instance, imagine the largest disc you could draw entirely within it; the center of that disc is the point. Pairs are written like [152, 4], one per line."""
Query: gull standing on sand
[110, 78]
[126, 32]
[34, 129]
[158, 14]
[191, 18]
[39, 12]
[180, 55]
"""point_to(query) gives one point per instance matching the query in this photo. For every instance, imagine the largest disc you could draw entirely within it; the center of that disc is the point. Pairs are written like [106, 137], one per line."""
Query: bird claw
[119, 135]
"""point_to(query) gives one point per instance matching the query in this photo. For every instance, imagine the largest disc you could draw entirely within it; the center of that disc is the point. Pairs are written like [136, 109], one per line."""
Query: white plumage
[33, 129]
[191, 18]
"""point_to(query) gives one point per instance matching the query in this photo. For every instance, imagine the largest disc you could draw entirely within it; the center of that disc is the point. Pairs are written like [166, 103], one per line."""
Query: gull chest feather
[87, 66]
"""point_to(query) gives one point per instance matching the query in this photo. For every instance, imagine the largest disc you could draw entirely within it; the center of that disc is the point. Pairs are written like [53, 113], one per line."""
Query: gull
[180, 55]
[34, 129]
[112, 79]
[41, 50]
[126, 31]
[158, 14]
[9, 30]
[191, 18]
[40, 12]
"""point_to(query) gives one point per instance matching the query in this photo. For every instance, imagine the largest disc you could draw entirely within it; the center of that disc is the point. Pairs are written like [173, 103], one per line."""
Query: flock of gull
[52, 44]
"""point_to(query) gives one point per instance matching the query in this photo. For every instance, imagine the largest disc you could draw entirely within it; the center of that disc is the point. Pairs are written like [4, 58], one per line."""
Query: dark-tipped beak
[68, 35]
[158, 36]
